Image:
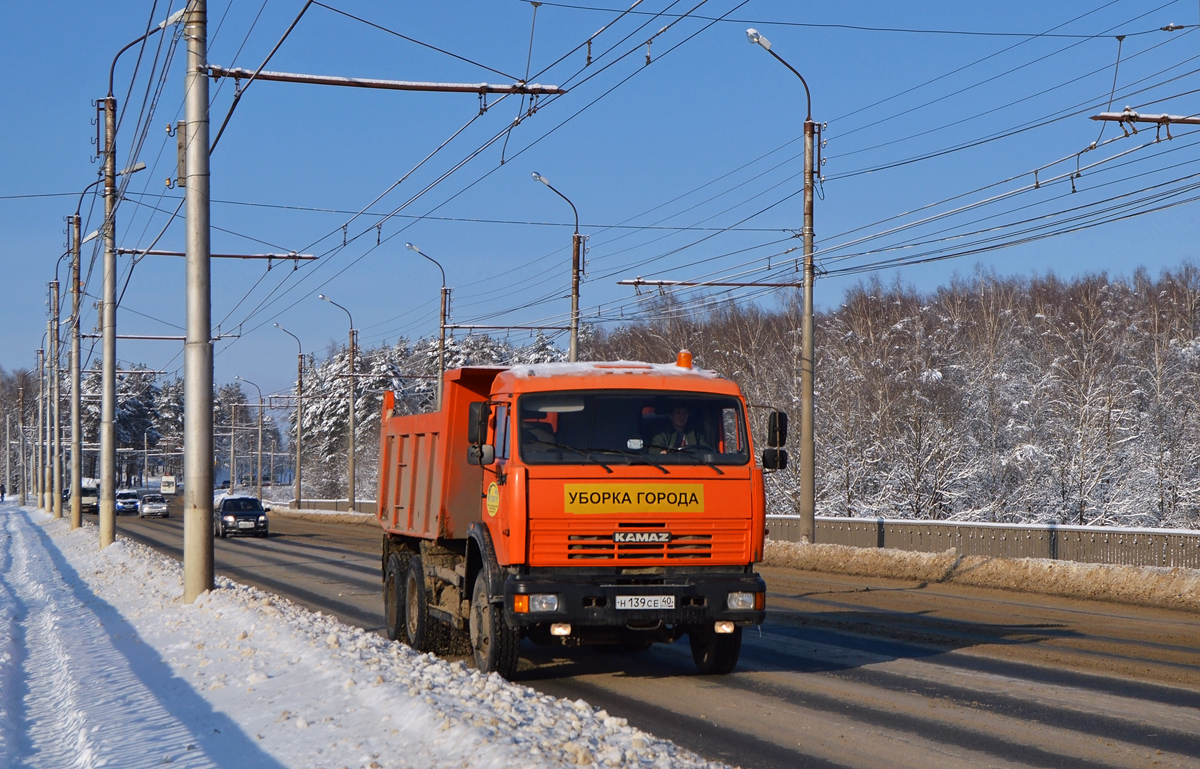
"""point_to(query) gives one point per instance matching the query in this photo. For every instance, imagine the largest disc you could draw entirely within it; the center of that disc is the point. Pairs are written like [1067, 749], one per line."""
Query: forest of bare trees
[994, 398]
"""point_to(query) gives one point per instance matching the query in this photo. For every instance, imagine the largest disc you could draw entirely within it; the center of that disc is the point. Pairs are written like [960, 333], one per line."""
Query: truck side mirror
[775, 459]
[477, 422]
[481, 455]
[777, 429]
[479, 452]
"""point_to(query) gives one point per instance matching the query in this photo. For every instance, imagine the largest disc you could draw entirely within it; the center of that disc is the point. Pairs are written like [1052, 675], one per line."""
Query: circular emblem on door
[493, 499]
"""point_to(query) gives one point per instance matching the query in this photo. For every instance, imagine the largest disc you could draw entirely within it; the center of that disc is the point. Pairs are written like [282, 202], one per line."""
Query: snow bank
[1146, 586]
[243, 675]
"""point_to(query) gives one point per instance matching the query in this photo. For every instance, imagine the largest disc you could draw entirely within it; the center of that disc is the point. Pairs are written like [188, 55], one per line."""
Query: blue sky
[686, 168]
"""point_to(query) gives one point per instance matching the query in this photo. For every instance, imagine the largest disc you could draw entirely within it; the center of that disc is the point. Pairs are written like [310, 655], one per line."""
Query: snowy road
[101, 664]
[855, 672]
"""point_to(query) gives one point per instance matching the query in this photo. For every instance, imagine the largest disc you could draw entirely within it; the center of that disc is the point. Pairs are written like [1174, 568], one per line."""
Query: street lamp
[260, 425]
[299, 404]
[808, 495]
[350, 491]
[108, 314]
[441, 325]
[573, 351]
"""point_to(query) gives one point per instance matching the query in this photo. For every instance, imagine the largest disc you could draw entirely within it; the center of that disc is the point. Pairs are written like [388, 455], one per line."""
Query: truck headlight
[540, 602]
[228, 519]
[745, 601]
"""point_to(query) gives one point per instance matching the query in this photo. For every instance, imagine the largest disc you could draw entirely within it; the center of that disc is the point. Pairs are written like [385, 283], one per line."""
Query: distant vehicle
[168, 485]
[127, 501]
[153, 504]
[239, 515]
[89, 499]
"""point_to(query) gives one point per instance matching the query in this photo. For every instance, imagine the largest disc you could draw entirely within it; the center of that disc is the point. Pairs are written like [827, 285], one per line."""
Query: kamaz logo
[642, 536]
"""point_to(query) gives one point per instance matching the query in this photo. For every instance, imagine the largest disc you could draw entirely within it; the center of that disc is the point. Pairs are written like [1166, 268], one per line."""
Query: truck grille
[602, 547]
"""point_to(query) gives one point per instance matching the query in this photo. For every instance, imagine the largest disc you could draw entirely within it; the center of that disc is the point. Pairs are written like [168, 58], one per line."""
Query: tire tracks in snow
[73, 695]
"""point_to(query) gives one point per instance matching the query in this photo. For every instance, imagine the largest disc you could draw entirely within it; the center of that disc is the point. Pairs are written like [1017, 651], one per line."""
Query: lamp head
[174, 18]
[133, 169]
[411, 247]
[276, 325]
[322, 297]
[754, 37]
[539, 178]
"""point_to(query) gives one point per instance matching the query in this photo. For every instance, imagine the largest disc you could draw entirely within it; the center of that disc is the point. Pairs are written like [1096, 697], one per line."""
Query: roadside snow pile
[1165, 588]
[242, 677]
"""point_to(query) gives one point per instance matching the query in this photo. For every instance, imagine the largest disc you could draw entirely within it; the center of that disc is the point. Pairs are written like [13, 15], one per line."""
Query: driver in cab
[679, 436]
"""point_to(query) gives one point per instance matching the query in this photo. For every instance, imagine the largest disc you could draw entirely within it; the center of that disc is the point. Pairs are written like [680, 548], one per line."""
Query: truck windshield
[586, 427]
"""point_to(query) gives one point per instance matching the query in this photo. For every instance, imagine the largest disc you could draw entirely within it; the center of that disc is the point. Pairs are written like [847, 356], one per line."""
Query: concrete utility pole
[198, 357]
[76, 401]
[299, 405]
[808, 495]
[260, 429]
[232, 446]
[21, 439]
[441, 326]
[108, 330]
[40, 464]
[351, 422]
[56, 448]
[573, 350]
[8, 487]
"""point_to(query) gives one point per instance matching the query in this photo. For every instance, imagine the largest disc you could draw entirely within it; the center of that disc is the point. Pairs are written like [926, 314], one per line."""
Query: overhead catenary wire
[594, 257]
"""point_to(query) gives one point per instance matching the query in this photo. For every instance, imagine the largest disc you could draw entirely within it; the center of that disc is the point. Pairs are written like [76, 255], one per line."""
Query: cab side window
[503, 432]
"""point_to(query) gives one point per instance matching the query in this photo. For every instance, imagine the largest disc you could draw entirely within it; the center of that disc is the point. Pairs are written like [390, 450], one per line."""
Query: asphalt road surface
[846, 672]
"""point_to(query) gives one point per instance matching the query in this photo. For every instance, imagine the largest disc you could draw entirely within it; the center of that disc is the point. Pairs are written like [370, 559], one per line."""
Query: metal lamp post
[299, 404]
[441, 324]
[350, 491]
[258, 485]
[807, 450]
[573, 351]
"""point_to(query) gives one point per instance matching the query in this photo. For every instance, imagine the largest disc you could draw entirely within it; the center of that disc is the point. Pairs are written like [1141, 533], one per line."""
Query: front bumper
[590, 601]
[239, 526]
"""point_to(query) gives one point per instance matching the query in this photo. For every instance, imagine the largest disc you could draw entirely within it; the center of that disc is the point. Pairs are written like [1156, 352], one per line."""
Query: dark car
[239, 515]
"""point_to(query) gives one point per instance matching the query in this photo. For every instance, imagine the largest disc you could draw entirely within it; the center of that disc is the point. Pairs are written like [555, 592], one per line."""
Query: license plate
[245, 524]
[645, 602]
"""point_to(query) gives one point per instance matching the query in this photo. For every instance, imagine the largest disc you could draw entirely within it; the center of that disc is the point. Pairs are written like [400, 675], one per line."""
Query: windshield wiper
[690, 452]
[581, 452]
[633, 457]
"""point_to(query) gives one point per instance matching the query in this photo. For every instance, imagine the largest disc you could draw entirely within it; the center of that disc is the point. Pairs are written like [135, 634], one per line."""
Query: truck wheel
[417, 622]
[393, 598]
[715, 653]
[492, 640]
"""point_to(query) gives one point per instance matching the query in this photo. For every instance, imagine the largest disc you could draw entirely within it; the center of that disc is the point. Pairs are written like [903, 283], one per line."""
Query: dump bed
[427, 488]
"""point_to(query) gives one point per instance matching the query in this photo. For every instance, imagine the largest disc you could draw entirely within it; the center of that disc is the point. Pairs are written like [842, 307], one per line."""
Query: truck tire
[393, 598]
[418, 625]
[493, 642]
[715, 653]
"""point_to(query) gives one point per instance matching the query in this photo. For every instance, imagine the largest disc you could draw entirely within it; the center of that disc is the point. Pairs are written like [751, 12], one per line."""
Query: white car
[153, 504]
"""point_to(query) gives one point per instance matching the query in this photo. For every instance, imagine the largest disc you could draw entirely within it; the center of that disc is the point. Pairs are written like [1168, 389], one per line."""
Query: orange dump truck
[575, 503]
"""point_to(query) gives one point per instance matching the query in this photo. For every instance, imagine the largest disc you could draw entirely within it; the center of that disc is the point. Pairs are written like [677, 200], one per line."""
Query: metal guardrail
[1085, 544]
[336, 505]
